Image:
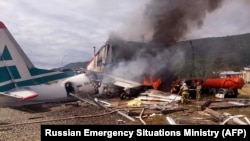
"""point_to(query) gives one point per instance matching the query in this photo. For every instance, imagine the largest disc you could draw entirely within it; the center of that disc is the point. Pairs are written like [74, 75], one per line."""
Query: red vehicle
[227, 87]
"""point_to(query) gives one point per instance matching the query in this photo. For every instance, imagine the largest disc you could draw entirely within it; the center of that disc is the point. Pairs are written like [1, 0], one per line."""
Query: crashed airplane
[129, 65]
[21, 83]
[122, 72]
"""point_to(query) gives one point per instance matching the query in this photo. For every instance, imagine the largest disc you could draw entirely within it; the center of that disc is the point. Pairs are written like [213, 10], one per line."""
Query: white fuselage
[54, 91]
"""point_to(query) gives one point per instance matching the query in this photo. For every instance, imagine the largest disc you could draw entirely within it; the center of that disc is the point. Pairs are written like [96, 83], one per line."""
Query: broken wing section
[21, 94]
[124, 82]
[123, 87]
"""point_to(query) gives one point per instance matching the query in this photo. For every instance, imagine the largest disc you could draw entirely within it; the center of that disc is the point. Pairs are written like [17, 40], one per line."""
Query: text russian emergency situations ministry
[223, 132]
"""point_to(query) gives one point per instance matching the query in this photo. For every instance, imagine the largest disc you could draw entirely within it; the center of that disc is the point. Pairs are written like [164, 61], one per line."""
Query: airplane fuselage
[54, 91]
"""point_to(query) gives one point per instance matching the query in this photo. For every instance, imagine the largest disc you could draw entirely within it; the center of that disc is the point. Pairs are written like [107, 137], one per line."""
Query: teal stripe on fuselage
[36, 71]
[45, 79]
[38, 80]
[7, 87]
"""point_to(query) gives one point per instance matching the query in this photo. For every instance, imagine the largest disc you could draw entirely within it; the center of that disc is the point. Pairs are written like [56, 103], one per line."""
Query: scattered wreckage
[141, 100]
[153, 102]
[138, 99]
[157, 107]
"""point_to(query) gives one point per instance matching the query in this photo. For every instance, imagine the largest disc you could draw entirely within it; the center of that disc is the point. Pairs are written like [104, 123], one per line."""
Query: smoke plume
[172, 19]
[168, 21]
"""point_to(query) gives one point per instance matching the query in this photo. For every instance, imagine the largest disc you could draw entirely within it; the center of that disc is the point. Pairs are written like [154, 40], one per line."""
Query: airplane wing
[118, 81]
[21, 94]
[124, 87]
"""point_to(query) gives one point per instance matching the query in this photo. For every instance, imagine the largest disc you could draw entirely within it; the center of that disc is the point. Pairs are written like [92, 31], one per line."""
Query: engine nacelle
[81, 84]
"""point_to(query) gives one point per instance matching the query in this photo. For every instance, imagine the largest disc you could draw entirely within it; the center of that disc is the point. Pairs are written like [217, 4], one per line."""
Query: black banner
[109, 132]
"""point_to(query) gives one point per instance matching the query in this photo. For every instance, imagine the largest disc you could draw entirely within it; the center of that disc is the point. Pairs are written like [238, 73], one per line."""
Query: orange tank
[228, 82]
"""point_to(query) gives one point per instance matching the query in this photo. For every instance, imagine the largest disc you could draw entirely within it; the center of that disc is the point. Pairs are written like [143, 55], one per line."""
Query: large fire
[150, 81]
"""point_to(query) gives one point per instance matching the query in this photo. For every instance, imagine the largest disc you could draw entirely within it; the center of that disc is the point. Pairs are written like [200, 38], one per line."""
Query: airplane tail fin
[10, 49]
[16, 69]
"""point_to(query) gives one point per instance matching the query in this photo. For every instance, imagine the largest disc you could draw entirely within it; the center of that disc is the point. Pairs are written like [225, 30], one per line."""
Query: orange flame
[149, 81]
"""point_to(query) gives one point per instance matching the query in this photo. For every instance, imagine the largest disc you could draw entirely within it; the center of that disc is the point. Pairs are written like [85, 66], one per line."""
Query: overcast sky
[57, 32]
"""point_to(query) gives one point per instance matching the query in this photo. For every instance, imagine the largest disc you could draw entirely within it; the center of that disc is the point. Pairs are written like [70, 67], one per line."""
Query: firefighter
[198, 91]
[184, 93]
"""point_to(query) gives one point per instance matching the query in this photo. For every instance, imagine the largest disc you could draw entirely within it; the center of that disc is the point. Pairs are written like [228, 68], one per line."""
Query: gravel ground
[23, 123]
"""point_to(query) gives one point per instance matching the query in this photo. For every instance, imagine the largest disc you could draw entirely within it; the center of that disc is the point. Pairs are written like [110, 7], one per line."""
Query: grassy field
[244, 92]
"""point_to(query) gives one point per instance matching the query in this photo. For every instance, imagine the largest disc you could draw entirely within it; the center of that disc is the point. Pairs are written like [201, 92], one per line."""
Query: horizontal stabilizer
[21, 94]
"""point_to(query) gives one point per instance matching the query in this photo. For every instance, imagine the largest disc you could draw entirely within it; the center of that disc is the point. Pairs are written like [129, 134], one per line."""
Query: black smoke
[170, 21]
[173, 19]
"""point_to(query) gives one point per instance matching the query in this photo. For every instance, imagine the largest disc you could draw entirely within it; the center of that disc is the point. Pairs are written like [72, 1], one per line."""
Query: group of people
[185, 92]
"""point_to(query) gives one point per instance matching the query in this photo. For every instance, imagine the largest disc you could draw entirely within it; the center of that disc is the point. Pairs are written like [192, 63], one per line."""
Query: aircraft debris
[247, 120]
[223, 118]
[170, 120]
[120, 121]
[135, 112]
[102, 104]
[234, 118]
[159, 94]
[83, 99]
[140, 116]
[175, 109]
